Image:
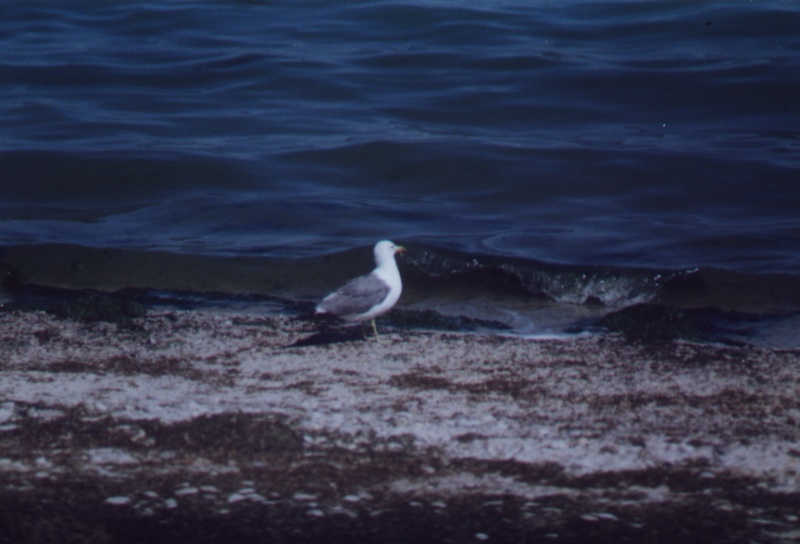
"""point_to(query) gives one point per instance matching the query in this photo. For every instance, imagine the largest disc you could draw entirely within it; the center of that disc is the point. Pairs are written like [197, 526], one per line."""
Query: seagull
[367, 297]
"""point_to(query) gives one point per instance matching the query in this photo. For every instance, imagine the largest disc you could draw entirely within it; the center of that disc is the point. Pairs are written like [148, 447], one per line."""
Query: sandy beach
[205, 427]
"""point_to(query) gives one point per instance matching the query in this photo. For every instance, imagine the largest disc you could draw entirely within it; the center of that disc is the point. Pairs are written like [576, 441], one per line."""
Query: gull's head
[385, 251]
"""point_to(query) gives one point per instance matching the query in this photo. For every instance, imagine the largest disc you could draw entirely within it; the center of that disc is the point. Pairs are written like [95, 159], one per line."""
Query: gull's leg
[375, 330]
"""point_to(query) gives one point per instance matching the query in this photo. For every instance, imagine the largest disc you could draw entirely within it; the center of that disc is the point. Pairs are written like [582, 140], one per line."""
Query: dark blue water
[655, 134]
[630, 133]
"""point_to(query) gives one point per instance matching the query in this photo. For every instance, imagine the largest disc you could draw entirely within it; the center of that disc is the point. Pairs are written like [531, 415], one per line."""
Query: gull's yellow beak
[399, 249]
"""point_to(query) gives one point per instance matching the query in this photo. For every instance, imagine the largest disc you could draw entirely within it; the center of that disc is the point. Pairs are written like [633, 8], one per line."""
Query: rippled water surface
[626, 133]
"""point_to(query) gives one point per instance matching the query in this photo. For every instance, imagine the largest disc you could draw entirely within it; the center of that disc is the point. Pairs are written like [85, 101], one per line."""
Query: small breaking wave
[530, 296]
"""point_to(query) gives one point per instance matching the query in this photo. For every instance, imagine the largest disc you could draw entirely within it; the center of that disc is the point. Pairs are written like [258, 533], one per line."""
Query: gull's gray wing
[355, 297]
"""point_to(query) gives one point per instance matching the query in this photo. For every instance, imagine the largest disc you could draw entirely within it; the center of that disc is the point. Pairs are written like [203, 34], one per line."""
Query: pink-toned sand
[210, 416]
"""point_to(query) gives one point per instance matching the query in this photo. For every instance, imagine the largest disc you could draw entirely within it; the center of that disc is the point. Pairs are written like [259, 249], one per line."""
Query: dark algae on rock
[657, 323]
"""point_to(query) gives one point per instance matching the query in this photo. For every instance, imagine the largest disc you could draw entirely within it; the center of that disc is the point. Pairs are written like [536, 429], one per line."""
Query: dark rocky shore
[205, 428]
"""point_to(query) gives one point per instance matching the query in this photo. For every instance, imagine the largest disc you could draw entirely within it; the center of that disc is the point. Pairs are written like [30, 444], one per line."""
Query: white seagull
[367, 297]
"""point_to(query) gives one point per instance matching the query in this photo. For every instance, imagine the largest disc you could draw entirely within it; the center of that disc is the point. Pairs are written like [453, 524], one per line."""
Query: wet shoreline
[199, 426]
[528, 297]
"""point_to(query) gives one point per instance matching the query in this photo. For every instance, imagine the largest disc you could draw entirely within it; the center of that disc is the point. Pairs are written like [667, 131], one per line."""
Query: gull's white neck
[387, 271]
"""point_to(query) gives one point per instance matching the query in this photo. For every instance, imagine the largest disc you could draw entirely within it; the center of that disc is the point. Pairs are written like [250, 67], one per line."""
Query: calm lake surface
[637, 135]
